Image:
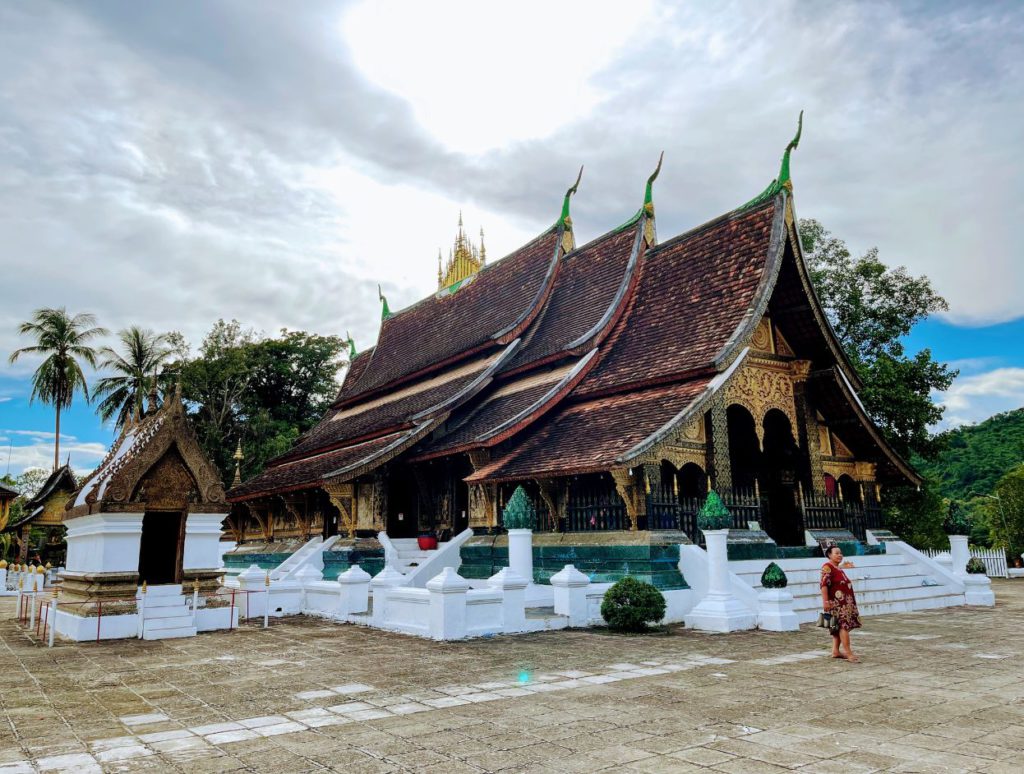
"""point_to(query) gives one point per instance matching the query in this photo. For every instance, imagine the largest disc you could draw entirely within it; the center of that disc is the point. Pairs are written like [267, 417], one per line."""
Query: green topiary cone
[519, 511]
[713, 514]
[774, 577]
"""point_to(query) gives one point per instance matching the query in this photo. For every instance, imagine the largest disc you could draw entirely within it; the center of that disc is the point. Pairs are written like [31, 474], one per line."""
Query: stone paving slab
[936, 691]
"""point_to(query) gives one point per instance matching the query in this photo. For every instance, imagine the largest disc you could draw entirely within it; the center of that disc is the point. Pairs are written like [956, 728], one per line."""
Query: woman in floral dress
[838, 599]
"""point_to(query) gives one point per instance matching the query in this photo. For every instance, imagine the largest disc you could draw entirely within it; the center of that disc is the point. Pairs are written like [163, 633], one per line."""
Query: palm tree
[142, 353]
[62, 340]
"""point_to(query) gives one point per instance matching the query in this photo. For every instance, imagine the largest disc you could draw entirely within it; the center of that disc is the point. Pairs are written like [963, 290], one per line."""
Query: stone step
[163, 590]
[870, 598]
[153, 603]
[170, 622]
[863, 585]
[810, 615]
[166, 634]
[870, 560]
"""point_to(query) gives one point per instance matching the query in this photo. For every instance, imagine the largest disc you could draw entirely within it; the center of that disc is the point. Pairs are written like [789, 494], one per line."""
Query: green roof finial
[784, 180]
[565, 217]
[385, 312]
[351, 346]
[648, 195]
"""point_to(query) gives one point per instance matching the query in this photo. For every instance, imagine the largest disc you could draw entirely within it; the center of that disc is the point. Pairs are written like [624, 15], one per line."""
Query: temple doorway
[779, 473]
[403, 517]
[161, 547]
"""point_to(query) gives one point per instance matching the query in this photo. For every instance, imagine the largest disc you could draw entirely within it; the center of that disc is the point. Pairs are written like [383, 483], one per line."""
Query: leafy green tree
[261, 391]
[917, 515]
[1006, 512]
[63, 341]
[872, 307]
[141, 359]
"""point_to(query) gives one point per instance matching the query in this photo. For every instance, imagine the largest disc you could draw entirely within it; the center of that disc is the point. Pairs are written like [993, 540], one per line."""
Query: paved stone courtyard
[937, 691]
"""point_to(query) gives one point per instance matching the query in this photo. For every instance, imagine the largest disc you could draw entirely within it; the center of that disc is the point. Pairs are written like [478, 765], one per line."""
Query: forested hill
[977, 456]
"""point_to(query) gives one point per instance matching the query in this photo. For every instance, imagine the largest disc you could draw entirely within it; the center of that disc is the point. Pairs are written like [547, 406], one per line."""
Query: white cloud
[4, 399]
[40, 455]
[41, 435]
[975, 398]
[487, 75]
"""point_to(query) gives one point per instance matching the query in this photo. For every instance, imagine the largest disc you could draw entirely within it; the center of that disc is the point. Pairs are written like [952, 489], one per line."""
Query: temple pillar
[631, 494]
[718, 431]
[556, 506]
[809, 434]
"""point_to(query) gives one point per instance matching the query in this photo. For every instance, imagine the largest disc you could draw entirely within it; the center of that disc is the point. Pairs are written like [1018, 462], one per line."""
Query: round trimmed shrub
[631, 604]
[713, 514]
[975, 566]
[774, 577]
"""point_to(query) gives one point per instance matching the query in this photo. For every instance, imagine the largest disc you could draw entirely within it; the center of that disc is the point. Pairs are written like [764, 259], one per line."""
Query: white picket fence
[994, 559]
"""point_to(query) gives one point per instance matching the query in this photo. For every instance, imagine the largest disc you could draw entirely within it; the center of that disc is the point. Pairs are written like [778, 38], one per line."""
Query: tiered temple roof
[560, 360]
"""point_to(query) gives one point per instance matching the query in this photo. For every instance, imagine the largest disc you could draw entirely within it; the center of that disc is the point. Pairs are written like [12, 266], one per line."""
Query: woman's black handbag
[829, 621]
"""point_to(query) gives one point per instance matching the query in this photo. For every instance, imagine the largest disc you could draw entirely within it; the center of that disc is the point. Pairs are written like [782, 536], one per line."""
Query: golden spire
[464, 259]
[238, 457]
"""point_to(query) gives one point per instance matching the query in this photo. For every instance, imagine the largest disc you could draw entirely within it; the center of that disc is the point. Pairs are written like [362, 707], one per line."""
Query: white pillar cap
[569, 577]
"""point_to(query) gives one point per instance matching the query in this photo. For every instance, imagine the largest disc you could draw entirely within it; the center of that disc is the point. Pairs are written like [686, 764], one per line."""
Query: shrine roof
[309, 471]
[694, 294]
[590, 282]
[591, 435]
[6, 493]
[52, 484]
[486, 308]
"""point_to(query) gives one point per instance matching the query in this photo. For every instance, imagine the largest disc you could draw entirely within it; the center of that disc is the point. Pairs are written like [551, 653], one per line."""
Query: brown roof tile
[440, 328]
[310, 470]
[585, 287]
[693, 293]
[589, 436]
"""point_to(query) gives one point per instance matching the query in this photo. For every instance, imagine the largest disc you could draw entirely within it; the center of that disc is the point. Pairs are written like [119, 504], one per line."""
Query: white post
[959, 551]
[388, 578]
[250, 581]
[140, 610]
[195, 597]
[53, 621]
[266, 608]
[3, 578]
[570, 592]
[520, 552]
[448, 605]
[32, 615]
[353, 590]
[513, 598]
[719, 610]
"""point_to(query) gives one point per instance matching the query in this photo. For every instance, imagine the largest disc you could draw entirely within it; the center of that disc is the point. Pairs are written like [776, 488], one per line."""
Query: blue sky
[169, 164]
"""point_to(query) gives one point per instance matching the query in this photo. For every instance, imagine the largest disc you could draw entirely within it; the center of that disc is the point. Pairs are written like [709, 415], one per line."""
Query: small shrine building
[151, 513]
[45, 512]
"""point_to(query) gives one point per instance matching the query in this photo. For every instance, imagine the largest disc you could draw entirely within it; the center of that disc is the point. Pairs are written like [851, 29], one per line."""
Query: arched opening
[693, 482]
[831, 486]
[744, 449]
[850, 490]
[778, 482]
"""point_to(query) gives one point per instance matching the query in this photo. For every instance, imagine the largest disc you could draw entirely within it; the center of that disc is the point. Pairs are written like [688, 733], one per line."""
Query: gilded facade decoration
[342, 497]
[761, 339]
[760, 386]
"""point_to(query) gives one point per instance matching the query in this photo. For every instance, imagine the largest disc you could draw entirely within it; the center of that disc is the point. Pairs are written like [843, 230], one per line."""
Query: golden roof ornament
[464, 259]
[238, 457]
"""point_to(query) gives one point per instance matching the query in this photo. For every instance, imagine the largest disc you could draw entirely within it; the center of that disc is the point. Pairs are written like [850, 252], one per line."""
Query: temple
[44, 512]
[617, 381]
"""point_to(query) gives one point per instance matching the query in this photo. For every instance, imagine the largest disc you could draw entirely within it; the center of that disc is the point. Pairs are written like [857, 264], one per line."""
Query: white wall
[202, 541]
[104, 542]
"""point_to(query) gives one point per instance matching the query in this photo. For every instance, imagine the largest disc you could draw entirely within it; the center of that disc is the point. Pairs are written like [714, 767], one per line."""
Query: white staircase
[165, 614]
[409, 555]
[883, 583]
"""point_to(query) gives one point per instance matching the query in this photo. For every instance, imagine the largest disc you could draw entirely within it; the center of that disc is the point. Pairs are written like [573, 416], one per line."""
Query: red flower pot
[427, 542]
